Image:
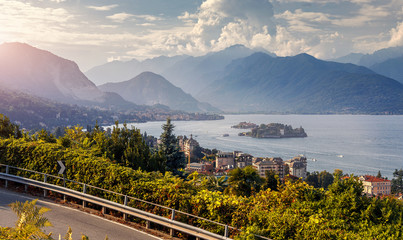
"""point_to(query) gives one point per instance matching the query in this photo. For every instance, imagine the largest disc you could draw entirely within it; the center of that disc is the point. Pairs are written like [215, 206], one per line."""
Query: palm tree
[30, 221]
[216, 183]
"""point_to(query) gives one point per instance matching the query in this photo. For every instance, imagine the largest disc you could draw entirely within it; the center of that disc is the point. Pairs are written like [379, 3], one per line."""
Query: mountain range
[387, 61]
[236, 79]
[40, 73]
[118, 71]
[149, 89]
[302, 84]
[189, 73]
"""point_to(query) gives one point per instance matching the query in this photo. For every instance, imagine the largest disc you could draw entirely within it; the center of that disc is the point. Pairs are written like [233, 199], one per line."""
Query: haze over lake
[359, 144]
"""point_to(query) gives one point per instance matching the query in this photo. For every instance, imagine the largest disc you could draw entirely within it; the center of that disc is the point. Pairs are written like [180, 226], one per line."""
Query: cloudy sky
[92, 32]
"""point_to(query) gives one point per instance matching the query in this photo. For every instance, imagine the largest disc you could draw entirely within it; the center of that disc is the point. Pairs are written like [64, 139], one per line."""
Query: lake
[359, 144]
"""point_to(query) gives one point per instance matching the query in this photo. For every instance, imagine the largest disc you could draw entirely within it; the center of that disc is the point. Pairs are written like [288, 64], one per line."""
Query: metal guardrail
[123, 208]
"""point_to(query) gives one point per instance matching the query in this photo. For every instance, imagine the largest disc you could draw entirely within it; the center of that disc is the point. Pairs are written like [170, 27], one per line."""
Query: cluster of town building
[225, 161]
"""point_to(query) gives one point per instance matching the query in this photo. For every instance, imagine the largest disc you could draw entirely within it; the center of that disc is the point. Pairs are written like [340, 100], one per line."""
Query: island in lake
[244, 125]
[271, 130]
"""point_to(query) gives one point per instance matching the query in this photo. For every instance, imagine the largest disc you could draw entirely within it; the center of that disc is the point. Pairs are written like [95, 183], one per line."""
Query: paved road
[62, 217]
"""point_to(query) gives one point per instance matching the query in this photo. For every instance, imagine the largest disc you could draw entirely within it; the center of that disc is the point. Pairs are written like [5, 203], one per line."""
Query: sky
[93, 32]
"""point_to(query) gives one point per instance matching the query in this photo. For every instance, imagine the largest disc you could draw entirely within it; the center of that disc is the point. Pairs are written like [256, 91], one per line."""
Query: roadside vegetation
[121, 161]
[31, 223]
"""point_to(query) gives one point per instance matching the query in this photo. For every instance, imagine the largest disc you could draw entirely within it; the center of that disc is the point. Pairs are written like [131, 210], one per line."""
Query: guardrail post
[45, 178]
[84, 191]
[6, 185]
[148, 224]
[125, 203]
[173, 214]
[171, 231]
[226, 231]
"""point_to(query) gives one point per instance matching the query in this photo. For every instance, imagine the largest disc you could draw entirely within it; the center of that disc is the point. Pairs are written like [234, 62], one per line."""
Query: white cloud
[150, 18]
[396, 35]
[286, 44]
[120, 17]
[21, 21]
[146, 24]
[300, 21]
[103, 8]
[221, 23]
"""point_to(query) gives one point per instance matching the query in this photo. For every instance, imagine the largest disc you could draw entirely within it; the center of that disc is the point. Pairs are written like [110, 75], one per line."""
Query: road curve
[62, 217]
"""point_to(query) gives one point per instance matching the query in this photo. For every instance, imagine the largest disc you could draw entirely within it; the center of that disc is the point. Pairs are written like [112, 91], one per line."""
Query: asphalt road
[62, 217]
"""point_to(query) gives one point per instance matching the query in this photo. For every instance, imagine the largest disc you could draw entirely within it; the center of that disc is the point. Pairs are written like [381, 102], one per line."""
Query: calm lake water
[359, 144]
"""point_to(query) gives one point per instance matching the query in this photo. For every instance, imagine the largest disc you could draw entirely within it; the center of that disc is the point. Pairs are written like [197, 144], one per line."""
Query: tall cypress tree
[169, 147]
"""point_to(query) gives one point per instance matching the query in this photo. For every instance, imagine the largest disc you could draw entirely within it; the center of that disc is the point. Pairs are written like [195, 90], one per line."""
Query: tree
[338, 173]
[169, 147]
[244, 182]
[313, 179]
[322, 179]
[8, 129]
[271, 180]
[30, 221]
[379, 175]
[325, 179]
[214, 183]
[397, 181]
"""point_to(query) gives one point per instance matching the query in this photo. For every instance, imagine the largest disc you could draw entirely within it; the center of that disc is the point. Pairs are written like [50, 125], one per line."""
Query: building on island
[297, 167]
[225, 160]
[266, 164]
[375, 186]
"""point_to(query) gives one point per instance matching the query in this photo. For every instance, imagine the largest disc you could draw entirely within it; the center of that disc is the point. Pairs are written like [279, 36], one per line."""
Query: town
[295, 167]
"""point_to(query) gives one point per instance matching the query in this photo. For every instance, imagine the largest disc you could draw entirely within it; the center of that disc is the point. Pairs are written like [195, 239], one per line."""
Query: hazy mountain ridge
[33, 112]
[387, 61]
[392, 68]
[195, 73]
[302, 84]
[353, 58]
[44, 74]
[368, 60]
[189, 73]
[381, 55]
[149, 88]
[118, 71]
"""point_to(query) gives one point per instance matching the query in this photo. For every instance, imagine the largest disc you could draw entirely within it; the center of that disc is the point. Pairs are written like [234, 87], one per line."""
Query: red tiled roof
[369, 178]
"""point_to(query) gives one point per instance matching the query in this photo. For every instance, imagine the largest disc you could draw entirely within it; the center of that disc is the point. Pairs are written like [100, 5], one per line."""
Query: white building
[297, 167]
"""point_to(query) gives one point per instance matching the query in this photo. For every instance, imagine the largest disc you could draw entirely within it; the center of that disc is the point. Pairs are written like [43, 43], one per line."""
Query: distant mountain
[33, 112]
[189, 73]
[149, 88]
[381, 56]
[302, 84]
[118, 71]
[368, 60]
[353, 58]
[392, 68]
[195, 73]
[41, 73]
[44, 74]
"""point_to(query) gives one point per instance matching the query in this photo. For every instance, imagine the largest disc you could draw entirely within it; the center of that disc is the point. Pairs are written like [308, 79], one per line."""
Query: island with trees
[273, 130]
[245, 125]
